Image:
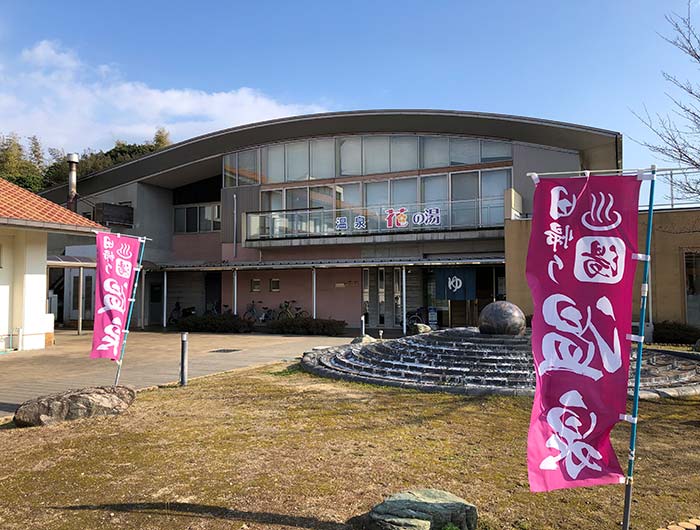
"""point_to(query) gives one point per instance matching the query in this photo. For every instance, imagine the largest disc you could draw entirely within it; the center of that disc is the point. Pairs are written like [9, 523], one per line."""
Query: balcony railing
[384, 219]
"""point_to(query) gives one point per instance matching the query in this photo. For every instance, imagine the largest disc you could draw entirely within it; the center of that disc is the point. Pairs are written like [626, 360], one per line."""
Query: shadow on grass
[8, 425]
[205, 511]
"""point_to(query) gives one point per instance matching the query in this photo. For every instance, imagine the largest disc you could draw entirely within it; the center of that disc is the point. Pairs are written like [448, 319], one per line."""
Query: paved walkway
[151, 359]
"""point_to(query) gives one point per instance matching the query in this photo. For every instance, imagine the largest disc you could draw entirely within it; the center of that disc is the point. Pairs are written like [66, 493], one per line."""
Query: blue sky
[84, 74]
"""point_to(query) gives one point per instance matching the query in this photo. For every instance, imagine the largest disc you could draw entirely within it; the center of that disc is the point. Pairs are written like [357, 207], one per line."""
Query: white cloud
[68, 104]
[48, 54]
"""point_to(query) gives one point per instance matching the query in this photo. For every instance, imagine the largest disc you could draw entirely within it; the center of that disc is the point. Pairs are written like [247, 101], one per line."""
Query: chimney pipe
[72, 181]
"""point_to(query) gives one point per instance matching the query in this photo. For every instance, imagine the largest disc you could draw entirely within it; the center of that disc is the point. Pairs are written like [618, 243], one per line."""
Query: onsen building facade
[395, 215]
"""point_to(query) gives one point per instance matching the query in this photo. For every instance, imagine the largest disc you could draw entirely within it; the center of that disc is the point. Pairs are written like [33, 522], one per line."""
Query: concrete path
[151, 359]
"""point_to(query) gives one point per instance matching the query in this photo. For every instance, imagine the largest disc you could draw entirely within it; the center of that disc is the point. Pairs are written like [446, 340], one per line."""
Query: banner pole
[132, 299]
[638, 368]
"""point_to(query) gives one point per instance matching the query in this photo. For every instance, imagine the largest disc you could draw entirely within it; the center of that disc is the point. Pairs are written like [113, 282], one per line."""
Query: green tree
[161, 138]
[16, 166]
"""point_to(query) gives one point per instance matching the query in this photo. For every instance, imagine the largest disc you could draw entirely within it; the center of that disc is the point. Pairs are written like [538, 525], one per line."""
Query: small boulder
[74, 404]
[423, 509]
[421, 328]
[364, 339]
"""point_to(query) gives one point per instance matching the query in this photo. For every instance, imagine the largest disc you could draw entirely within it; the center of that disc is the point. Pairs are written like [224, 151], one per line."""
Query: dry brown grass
[274, 448]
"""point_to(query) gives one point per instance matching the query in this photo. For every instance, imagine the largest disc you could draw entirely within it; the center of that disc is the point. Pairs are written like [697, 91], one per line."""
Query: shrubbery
[668, 332]
[306, 326]
[226, 323]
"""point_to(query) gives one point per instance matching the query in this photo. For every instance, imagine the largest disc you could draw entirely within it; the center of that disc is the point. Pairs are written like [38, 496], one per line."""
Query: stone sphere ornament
[502, 318]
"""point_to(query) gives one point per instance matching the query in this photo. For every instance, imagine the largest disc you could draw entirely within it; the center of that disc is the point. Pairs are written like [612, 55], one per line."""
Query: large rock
[421, 328]
[74, 404]
[363, 339]
[424, 509]
[502, 318]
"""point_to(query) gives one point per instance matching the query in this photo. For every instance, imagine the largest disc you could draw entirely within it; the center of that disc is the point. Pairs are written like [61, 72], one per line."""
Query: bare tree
[678, 132]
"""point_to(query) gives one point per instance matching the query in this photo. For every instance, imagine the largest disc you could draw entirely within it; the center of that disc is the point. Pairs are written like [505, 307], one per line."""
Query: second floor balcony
[384, 219]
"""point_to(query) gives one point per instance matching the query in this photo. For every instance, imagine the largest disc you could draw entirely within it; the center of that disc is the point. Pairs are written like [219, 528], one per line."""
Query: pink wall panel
[338, 291]
[204, 246]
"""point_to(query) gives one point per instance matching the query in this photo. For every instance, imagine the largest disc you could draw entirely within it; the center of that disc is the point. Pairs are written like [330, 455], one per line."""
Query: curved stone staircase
[459, 360]
[454, 360]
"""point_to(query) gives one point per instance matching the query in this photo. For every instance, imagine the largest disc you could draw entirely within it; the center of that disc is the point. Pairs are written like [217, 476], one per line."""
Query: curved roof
[199, 157]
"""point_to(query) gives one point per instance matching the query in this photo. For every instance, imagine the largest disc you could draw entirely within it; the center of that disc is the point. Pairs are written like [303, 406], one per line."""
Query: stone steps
[459, 360]
[440, 375]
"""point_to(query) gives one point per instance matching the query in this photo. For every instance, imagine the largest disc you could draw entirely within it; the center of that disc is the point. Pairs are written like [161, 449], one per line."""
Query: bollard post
[183, 359]
[381, 334]
[362, 319]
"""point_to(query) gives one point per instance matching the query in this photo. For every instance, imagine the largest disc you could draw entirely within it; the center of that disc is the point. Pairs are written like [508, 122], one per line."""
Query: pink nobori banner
[580, 270]
[117, 261]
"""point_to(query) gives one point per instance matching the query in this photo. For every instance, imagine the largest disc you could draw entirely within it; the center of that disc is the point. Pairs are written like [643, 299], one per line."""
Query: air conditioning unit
[108, 214]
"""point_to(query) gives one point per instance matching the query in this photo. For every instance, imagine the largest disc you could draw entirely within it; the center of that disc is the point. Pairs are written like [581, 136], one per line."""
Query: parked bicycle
[257, 313]
[287, 311]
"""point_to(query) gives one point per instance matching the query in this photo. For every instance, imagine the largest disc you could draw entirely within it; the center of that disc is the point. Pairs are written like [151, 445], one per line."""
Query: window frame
[197, 205]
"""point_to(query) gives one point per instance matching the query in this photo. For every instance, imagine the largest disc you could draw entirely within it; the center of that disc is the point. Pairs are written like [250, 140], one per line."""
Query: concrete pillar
[235, 291]
[142, 281]
[313, 290]
[403, 297]
[165, 299]
[81, 279]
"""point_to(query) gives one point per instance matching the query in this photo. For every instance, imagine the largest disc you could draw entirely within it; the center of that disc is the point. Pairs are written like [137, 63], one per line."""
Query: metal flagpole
[638, 369]
[132, 299]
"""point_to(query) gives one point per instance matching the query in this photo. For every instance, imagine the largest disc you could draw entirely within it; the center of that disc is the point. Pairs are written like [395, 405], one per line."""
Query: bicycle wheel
[303, 314]
[415, 319]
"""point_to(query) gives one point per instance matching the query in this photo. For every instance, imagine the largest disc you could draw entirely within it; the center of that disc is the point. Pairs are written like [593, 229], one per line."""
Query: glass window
[464, 152]
[434, 189]
[248, 167]
[465, 192]
[255, 285]
[347, 196]
[209, 218]
[376, 154]
[404, 153]
[350, 155]
[494, 183]
[216, 216]
[496, 151]
[273, 164]
[435, 151]
[297, 161]
[274, 285]
[205, 221]
[296, 199]
[321, 197]
[230, 170]
[191, 218]
[493, 187]
[180, 220]
[376, 193]
[323, 159]
[692, 288]
[271, 200]
[403, 192]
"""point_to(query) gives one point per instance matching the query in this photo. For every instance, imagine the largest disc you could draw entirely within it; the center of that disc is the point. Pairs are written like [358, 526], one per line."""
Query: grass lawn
[273, 448]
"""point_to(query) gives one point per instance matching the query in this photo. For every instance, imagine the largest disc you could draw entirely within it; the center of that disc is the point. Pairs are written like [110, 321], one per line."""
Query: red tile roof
[18, 204]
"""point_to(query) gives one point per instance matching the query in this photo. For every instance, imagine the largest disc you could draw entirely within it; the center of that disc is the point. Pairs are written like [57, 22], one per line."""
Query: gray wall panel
[248, 200]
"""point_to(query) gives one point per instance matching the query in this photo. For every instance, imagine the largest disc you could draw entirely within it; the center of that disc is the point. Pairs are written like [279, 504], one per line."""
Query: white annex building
[25, 221]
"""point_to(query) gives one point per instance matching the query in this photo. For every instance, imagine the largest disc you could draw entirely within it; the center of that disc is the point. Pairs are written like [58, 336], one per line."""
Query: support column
[235, 291]
[165, 299]
[493, 298]
[80, 300]
[313, 291]
[143, 297]
[403, 297]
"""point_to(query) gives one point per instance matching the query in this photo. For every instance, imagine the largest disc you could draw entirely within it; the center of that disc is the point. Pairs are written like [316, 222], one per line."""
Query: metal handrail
[319, 222]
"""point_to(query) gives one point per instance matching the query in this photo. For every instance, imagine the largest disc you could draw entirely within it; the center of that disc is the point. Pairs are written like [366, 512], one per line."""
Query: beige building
[675, 265]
